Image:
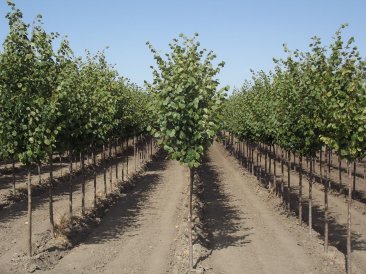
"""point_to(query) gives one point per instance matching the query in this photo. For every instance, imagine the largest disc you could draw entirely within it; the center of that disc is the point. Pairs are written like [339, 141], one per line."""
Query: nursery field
[182, 175]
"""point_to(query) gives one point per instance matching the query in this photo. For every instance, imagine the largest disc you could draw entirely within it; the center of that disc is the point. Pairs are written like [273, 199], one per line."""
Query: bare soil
[238, 227]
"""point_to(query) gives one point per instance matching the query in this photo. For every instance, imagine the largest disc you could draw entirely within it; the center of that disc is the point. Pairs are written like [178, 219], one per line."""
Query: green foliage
[50, 100]
[186, 100]
[311, 99]
[28, 105]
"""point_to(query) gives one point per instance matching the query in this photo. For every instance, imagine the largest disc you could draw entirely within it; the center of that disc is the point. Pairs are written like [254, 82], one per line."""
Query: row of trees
[311, 100]
[52, 102]
[187, 101]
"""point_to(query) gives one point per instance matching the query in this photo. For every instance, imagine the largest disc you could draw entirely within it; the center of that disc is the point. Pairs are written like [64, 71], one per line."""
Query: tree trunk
[13, 173]
[39, 174]
[349, 250]
[354, 179]
[191, 179]
[289, 181]
[265, 163]
[257, 168]
[311, 195]
[300, 189]
[247, 155]
[95, 177]
[282, 175]
[116, 158]
[151, 148]
[110, 167]
[134, 152]
[70, 185]
[326, 184]
[104, 171]
[320, 164]
[83, 186]
[274, 169]
[50, 196]
[123, 161]
[60, 160]
[340, 172]
[270, 161]
[252, 160]
[127, 156]
[29, 213]
[349, 169]
[329, 167]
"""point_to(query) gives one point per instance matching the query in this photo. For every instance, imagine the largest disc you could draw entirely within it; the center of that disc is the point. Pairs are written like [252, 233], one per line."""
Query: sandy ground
[248, 233]
[145, 231]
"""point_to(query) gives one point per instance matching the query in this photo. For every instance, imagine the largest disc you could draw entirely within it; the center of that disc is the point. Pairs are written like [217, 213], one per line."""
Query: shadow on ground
[222, 222]
[123, 216]
[337, 231]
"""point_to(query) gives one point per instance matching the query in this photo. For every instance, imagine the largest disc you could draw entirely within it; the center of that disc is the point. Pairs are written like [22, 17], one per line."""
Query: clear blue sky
[245, 34]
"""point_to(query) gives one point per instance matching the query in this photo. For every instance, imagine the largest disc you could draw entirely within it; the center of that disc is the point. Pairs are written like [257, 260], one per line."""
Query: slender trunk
[151, 148]
[104, 171]
[134, 152]
[349, 250]
[139, 155]
[326, 184]
[110, 166]
[116, 158]
[13, 173]
[311, 195]
[60, 160]
[252, 160]
[70, 185]
[300, 189]
[242, 153]
[127, 156]
[270, 162]
[83, 186]
[258, 169]
[123, 161]
[349, 169]
[289, 181]
[191, 179]
[329, 167]
[320, 164]
[340, 172]
[247, 156]
[282, 175]
[50, 196]
[39, 174]
[354, 178]
[95, 177]
[29, 213]
[265, 163]
[274, 169]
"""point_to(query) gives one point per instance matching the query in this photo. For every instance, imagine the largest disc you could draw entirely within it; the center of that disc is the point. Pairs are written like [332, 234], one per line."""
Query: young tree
[345, 101]
[28, 104]
[187, 101]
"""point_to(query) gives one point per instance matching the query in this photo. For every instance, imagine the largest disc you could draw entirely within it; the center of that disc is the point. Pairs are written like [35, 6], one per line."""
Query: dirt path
[248, 235]
[13, 225]
[137, 235]
[337, 208]
[145, 231]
